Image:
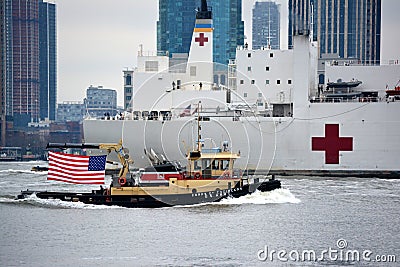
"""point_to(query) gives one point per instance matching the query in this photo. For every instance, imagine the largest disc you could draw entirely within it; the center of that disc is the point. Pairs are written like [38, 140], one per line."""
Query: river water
[308, 220]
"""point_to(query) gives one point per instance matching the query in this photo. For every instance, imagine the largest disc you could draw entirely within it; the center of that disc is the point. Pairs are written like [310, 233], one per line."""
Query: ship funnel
[200, 62]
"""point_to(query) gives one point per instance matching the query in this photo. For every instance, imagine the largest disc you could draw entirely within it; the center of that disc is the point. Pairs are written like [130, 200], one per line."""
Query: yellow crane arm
[123, 158]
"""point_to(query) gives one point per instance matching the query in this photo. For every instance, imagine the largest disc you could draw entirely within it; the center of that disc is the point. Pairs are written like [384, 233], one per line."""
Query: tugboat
[208, 177]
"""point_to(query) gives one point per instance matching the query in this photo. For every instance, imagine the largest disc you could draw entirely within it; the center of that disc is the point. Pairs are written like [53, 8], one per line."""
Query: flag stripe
[73, 177]
[69, 160]
[72, 157]
[76, 182]
[76, 168]
[77, 174]
[67, 168]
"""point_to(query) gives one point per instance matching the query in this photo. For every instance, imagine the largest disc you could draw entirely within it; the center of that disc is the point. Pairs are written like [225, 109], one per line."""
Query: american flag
[76, 169]
[186, 111]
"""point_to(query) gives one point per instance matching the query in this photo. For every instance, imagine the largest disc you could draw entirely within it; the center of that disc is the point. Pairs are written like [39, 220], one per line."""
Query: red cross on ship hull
[332, 144]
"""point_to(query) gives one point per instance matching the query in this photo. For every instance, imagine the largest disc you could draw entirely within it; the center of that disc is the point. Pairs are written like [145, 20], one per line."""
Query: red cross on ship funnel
[201, 39]
[332, 144]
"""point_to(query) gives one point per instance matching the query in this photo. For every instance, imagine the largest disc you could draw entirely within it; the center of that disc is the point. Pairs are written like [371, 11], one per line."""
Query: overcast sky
[97, 39]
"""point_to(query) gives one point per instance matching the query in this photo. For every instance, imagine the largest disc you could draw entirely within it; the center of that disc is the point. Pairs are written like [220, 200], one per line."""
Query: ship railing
[165, 115]
[344, 99]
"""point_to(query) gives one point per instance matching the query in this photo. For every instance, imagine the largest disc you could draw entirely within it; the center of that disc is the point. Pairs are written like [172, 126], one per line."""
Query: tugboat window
[224, 164]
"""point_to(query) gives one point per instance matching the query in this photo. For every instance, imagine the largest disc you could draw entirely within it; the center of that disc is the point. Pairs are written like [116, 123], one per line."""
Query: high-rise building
[348, 28]
[176, 23]
[266, 25]
[101, 102]
[29, 60]
[22, 60]
[48, 60]
[2, 78]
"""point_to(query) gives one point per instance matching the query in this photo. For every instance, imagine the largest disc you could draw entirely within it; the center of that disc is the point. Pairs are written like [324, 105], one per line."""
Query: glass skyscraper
[266, 25]
[48, 60]
[29, 60]
[176, 23]
[349, 28]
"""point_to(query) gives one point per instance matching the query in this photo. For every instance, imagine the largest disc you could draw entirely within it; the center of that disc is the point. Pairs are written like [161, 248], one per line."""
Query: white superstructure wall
[265, 74]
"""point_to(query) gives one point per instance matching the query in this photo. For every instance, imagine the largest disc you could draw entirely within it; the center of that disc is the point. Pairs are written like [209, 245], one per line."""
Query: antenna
[269, 26]
[198, 127]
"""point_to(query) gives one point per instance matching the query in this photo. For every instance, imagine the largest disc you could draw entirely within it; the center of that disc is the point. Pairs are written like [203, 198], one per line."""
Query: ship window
[244, 94]
[271, 54]
[192, 70]
[249, 55]
[267, 68]
[196, 165]
[214, 165]
[253, 81]
[206, 164]
[151, 65]
[224, 164]
[241, 81]
[266, 81]
[289, 81]
[178, 84]
[249, 68]
[259, 94]
[278, 81]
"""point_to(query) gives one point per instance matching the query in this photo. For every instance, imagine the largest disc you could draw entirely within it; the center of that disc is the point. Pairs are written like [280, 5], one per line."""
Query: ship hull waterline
[98, 197]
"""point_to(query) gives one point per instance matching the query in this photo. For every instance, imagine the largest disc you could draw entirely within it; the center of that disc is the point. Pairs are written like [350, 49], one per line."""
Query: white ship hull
[278, 145]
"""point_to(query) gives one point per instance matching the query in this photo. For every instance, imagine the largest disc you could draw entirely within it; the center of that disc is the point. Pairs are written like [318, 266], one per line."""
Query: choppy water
[307, 214]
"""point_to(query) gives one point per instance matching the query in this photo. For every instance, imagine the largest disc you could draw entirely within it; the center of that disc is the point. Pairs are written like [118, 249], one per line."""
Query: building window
[241, 81]
[245, 94]
[128, 97]
[271, 54]
[216, 79]
[128, 80]
[266, 81]
[248, 54]
[266, 68]
[278, 81]
[253, 81]
[223, 79]
[249, 68]
[289, 81]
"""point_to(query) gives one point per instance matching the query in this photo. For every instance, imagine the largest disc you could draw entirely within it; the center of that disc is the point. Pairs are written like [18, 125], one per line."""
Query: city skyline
[94, 47]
